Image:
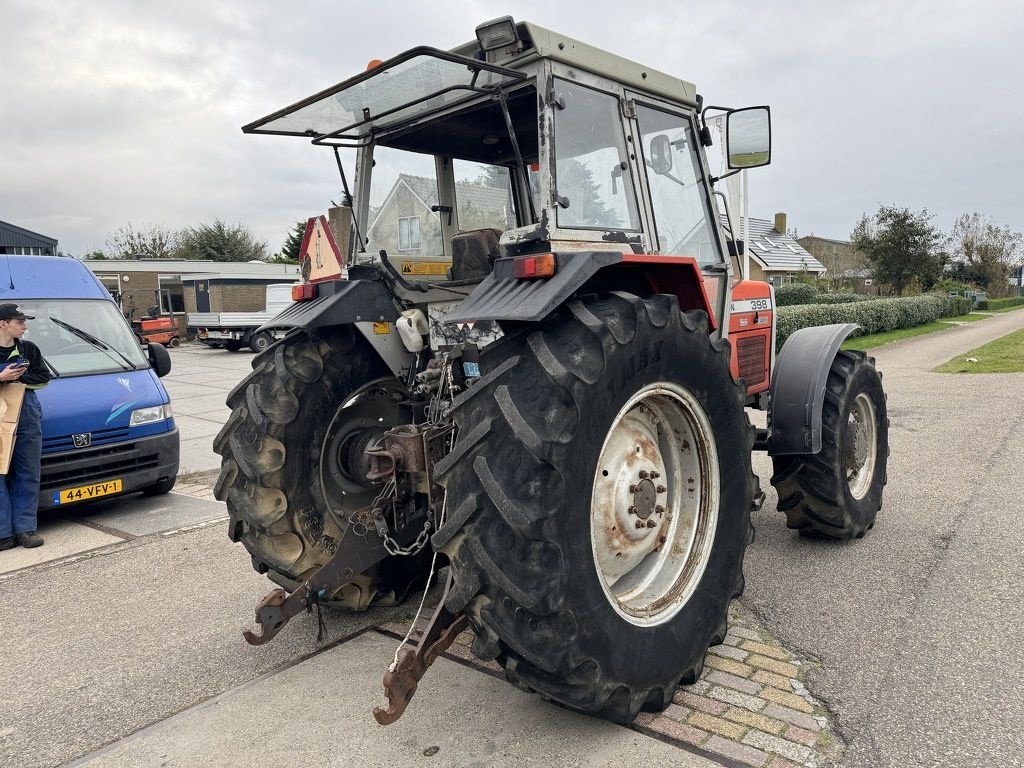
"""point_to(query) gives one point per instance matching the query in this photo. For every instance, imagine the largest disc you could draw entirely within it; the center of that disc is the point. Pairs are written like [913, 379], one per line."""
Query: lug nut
[643, 474]
[659, 509]
[633, 488]
[655, 475]
[651, 523]
[661, 489]
[632, 510]
[640, 524]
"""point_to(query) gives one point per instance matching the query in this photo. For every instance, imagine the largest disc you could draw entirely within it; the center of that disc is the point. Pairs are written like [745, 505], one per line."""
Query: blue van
[107, 422]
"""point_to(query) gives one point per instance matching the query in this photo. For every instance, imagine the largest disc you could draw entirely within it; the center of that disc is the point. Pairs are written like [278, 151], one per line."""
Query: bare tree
[156, 242]
[986, 251]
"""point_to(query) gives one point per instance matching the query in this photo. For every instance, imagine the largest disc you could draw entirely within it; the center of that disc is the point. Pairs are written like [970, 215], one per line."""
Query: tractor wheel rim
[862, 450]
[654, 506]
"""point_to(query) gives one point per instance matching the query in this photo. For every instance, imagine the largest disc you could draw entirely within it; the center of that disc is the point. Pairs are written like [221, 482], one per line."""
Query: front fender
[798, 388]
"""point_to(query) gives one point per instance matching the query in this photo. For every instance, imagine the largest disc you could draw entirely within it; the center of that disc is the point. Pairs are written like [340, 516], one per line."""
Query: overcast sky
[114, 111]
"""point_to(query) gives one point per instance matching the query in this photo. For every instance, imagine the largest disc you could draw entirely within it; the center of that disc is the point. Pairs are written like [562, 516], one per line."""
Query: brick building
[139, 284]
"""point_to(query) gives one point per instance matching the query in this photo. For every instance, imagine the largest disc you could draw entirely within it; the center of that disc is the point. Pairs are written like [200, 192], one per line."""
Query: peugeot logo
[82, 441]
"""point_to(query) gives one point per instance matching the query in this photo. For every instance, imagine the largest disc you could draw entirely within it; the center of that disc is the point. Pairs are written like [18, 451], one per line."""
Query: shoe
[8, 542]
[30, 539]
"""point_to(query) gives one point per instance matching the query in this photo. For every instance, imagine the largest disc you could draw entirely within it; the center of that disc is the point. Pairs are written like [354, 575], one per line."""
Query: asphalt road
[917, 626]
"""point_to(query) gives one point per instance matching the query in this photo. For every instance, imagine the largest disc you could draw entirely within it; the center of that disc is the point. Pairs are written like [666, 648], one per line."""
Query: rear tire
[837, 493]
[259, 342]
[280, 505]
[232, 346]
[535, 518]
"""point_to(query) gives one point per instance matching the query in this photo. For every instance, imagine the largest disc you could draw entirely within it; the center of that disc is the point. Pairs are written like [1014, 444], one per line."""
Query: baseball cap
[13, 312]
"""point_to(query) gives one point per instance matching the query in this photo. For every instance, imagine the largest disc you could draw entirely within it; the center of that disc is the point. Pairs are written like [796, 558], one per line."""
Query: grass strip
[873, 340]
[1004, 355]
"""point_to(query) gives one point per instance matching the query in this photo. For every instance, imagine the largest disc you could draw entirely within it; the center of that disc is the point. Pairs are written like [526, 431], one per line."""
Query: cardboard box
[11, 396]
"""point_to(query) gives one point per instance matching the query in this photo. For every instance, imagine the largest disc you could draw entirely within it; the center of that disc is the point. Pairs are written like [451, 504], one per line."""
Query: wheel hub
[861, 445]
[654, 506]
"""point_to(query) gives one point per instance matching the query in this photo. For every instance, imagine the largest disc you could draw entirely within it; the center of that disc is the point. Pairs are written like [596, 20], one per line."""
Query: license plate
[87, 492]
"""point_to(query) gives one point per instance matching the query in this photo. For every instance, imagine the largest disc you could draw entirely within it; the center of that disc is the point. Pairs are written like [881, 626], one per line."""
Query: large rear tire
[616, 413]
[837, 492]
[281, 474]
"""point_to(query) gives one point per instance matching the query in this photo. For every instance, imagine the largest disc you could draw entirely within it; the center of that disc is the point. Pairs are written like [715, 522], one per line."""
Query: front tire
[259, 342]
[837, 492]
[540, 506]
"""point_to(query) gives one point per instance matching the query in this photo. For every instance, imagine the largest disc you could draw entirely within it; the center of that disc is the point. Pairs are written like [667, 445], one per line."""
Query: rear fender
[366, 304]
[500, 296]
[798, 388]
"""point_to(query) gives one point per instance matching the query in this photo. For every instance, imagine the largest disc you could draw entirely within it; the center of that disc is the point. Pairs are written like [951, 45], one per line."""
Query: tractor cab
[523, 142]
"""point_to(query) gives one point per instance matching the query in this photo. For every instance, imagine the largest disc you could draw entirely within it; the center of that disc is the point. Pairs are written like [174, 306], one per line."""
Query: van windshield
[70, 353]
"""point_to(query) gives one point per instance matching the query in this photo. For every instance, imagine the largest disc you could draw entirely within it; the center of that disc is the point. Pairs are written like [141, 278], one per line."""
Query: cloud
[118, 111]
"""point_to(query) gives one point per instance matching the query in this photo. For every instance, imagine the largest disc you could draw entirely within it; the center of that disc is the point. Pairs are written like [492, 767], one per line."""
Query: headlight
[151, 415]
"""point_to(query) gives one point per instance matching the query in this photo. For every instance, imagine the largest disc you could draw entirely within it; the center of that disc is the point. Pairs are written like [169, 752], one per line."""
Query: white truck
[234, 330]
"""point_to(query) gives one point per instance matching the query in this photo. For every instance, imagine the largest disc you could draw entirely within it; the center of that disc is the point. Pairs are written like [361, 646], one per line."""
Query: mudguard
[500, 296]
[339, 302]
[798, 388]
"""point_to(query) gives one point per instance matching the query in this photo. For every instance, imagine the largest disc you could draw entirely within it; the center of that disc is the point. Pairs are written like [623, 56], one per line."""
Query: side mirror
[748, 137]
[160, 359]
[661, 154]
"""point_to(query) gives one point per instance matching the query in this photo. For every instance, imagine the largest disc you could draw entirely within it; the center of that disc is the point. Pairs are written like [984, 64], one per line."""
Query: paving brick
[740, 752]
[737, 699]
[729, 652]
[731, 666]
[759, 721]
[781, 762]
[773, 651]
[807, 738]
[717, 725]
[770, 678]
[790, 700]
[677, 713]
[772, 665]
[739, 683]
[701, 687]
[680, 731]
[792, 716]
[704, 704]
[769, 743]
[746, 634]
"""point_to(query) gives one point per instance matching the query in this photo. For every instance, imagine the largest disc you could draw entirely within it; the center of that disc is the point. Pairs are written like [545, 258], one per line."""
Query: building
[140, 284]
[775, 256]
[838, 256]
[407, 224]
[15, 241]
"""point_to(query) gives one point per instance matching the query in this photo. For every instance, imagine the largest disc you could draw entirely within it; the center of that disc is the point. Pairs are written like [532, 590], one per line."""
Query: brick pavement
[750, 705]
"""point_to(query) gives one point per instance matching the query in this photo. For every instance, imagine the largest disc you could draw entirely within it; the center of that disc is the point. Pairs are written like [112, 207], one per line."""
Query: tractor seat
[473, 253]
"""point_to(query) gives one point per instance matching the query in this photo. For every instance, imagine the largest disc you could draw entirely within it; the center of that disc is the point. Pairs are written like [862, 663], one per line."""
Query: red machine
[159, 330]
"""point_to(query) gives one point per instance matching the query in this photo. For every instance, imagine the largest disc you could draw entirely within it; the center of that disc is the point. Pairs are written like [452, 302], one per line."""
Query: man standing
[19, 489]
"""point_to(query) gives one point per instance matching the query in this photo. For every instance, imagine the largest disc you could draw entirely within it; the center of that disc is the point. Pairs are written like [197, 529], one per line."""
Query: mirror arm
[733, 172]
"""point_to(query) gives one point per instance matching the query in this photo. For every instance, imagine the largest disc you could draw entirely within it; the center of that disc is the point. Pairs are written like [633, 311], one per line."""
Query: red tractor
[527, 357]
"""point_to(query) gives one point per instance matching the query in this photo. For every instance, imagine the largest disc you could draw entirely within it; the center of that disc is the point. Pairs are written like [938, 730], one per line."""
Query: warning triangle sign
[319, 254]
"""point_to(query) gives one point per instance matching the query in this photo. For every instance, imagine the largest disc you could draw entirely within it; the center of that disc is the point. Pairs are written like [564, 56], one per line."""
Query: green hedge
[1017, 301]
[874, 316]
[791, 294]
[839, 298]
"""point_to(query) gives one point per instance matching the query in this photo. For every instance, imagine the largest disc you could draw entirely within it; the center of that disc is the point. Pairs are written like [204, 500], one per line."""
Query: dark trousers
[19, 491]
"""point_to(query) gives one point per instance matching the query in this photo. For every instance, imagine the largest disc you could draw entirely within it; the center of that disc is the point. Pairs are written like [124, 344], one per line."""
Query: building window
[409, 233]
[171, 295]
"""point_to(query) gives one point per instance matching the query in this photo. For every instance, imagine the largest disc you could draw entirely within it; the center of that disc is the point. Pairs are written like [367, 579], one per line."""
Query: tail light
[535, 266]
[304, 291]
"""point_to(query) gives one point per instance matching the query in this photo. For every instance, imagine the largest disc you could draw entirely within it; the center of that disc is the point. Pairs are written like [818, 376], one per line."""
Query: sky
[115, 112]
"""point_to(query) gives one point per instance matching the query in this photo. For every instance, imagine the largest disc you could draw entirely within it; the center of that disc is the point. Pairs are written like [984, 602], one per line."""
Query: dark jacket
[37, 374]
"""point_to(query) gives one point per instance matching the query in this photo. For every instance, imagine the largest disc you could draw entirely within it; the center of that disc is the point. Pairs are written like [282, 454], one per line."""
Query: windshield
[71, 354]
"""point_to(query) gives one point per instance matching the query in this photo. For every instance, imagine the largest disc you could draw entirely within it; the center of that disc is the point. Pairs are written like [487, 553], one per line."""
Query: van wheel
[160, 488]
[175, 342]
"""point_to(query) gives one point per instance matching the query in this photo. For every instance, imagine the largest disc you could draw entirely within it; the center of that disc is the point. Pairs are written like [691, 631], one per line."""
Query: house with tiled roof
[408, 222]
[775, 256]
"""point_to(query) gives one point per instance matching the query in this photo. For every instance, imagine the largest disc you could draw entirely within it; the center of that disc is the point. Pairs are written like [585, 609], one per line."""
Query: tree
[157, 242]
[902, 246]
[984, 253]
[221, 242]
[290, 250]
[576, 183]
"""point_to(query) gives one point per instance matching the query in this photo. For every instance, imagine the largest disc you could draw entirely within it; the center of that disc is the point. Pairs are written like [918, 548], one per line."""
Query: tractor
[521, 358]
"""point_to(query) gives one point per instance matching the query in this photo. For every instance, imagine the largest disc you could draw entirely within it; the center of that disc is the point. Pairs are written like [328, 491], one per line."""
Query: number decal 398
[758, 304]
[752, 305]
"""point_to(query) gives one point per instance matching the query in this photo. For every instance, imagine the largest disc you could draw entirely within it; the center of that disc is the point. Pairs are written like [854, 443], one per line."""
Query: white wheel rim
[654, 506]
[862, 447]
